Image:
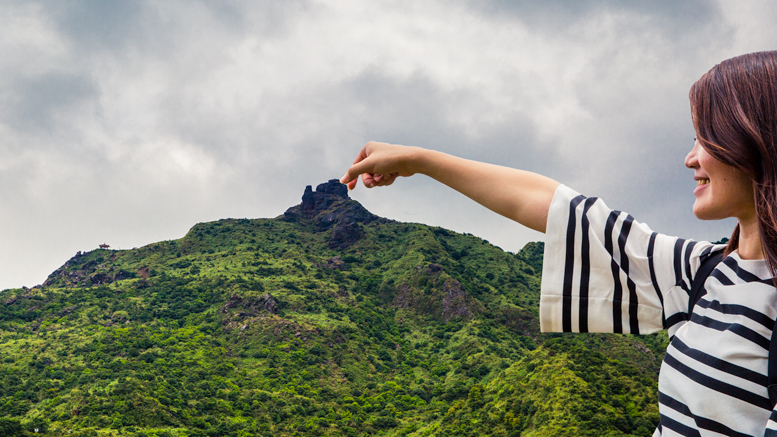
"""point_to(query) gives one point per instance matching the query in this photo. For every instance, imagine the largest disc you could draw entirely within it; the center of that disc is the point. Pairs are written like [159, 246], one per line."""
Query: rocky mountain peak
[330, 208]
[325, 195]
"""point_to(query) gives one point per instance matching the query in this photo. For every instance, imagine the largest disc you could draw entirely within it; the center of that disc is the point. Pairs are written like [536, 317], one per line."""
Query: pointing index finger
[352, 174]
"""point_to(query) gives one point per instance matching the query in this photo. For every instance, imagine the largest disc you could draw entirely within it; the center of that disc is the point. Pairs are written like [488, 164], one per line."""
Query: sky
[127, 123]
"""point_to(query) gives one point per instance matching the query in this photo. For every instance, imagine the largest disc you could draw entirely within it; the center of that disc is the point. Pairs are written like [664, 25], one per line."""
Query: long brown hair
[734, 108]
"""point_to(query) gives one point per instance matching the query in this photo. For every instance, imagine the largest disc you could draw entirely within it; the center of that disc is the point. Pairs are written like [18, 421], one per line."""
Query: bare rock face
[100, 278]
[454, 302]
[269, 304]
[437, 294]
[330, 208]
[344, 234]
[335, 263]
[121, 274]
[252, 305]
[433, 268]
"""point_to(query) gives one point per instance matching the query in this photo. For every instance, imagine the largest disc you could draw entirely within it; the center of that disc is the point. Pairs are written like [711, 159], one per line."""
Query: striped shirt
[605, 272]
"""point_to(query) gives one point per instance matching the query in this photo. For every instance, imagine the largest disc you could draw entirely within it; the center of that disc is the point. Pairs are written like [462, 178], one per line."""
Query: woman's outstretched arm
[516, 194]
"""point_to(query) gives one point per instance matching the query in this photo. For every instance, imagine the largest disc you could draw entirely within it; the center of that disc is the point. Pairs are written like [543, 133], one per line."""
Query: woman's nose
[692, 159]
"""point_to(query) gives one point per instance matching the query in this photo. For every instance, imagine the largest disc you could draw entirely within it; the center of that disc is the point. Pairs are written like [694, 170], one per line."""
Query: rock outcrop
[334, 263]
[454, 301]
[435, 293]
[252, 305]
[79, 271]
[330, 208]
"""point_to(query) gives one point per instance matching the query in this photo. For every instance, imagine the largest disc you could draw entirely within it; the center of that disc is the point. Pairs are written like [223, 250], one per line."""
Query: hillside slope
[327, 320]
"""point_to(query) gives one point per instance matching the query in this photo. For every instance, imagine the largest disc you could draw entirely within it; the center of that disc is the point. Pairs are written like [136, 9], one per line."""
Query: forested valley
[324, 321]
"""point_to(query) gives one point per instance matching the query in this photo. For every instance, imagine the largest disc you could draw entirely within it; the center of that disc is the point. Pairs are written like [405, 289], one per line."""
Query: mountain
[324, 321]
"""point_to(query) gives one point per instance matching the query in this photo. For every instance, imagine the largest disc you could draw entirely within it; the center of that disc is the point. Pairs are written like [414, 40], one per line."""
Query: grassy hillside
[324, 321]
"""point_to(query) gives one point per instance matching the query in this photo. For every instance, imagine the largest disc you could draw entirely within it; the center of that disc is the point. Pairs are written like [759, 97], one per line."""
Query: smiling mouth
[700, 182]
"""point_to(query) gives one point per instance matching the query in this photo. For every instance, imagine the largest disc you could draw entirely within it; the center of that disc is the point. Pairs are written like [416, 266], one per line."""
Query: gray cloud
[97, 25]
[34, 103]
[664, 16]
[158, 25]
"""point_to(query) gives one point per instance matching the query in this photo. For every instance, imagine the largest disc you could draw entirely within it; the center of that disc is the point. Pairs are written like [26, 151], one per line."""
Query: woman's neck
[750, 246]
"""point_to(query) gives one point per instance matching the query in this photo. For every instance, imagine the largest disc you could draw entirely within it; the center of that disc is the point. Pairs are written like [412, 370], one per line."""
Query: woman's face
[722, 191]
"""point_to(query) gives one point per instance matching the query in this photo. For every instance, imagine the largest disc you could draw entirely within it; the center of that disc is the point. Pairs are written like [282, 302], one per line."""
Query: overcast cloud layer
[128, 122]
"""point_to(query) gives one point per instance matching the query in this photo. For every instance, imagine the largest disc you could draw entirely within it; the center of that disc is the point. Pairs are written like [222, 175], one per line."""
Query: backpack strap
[708, 264]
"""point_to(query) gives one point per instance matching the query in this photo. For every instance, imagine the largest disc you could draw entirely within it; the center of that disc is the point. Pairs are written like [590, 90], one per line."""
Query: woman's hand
[380, 164]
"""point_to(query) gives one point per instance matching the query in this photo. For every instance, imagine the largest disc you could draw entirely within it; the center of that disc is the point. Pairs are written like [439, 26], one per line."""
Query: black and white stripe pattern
[605, 272]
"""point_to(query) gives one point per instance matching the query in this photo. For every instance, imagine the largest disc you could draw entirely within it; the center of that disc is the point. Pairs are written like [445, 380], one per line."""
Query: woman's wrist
[425, 161]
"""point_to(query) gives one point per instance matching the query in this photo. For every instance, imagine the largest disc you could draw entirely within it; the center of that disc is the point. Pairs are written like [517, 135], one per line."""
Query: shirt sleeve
[605, 272]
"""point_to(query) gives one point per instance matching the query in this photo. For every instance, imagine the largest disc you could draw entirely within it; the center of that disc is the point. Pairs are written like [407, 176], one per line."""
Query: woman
[605, 272]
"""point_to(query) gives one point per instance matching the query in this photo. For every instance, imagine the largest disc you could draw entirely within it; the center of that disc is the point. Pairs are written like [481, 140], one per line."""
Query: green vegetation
[257, 327]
